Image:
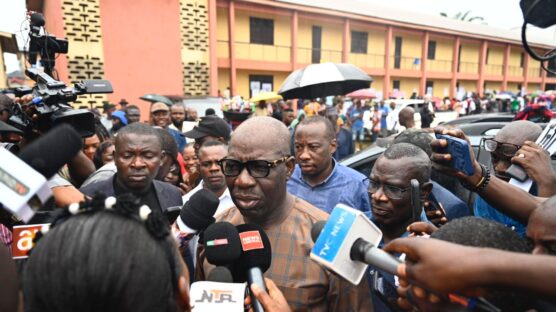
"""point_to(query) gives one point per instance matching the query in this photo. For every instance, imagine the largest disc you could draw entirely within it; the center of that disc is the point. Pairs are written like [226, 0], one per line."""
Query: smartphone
[459, 149]
[385, 290]
[416, 200]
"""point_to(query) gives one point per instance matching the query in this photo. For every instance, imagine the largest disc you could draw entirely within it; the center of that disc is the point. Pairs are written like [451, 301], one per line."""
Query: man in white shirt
[212, 177]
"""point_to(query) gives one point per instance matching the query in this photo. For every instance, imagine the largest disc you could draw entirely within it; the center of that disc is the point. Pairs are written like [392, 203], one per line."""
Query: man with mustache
[503, 147]
[138, 157]
[318, 178]
[257, 167]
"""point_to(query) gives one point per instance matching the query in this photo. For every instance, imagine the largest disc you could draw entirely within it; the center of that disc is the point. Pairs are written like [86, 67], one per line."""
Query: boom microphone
[255, 259]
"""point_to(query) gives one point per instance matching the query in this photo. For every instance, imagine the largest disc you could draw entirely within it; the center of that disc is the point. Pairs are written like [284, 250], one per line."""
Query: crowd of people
[111, 247]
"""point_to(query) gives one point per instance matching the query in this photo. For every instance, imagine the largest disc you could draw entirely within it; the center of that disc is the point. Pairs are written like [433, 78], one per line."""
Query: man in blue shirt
[355, 115]
[317, 177]
[502, 148]
[160, 117]
[384, 111]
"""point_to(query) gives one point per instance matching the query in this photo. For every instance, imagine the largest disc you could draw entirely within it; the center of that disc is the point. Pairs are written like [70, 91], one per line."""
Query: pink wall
[141, 40]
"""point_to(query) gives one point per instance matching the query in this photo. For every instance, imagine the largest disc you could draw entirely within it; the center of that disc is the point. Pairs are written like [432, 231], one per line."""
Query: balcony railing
[367, 60]
[310, 55]
[534, 72]
[439, 65]
[515, 71]
[262, 52]
[403, 62]
[494, 69]
[469, 67]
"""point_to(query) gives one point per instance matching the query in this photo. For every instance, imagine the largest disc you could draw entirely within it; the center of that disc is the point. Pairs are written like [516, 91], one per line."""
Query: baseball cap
[158, 106]
[210, 125]
[120, 115]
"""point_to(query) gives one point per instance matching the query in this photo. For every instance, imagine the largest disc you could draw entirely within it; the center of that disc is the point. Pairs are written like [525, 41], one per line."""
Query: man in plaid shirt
[257, 168]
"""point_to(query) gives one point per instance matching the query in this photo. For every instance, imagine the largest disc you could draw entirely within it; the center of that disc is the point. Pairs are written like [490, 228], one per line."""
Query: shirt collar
[334, 168]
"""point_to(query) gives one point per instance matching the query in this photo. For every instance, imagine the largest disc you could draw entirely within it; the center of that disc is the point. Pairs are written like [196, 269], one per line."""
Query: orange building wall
[141, 49]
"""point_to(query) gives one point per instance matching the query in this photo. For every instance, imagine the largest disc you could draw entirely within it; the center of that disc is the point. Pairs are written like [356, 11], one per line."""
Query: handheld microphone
[255, 259]
[222, 244]
[220, 274]
[23, 188]
[197, 213]
[347, 245]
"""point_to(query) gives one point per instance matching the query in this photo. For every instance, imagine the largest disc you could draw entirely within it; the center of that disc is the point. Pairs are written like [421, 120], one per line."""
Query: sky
[504, 14]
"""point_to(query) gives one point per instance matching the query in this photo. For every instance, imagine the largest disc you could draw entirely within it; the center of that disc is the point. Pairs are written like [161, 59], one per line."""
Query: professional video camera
[51, 97]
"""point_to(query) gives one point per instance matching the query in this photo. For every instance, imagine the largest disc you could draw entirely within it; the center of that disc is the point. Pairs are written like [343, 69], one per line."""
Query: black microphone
[222, 244]
[37, 19]
[316, 229]
[53, 150]
[197, 213]
[255, 259]
[220, 274]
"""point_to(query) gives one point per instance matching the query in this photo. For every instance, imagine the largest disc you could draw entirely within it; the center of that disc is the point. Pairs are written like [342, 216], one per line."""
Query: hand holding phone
[459, 150]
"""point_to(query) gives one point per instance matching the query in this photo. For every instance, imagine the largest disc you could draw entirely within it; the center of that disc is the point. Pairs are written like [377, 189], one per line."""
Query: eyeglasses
[256, 168]
[392, 192]
[506, 149]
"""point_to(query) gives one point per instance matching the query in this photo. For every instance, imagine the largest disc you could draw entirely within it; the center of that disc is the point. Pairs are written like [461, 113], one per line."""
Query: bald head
[264, 132]
[519, 131]
[406, 117]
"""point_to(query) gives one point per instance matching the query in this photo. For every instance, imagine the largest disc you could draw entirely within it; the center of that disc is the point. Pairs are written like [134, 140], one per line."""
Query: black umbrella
[319, 80]
[151, 97]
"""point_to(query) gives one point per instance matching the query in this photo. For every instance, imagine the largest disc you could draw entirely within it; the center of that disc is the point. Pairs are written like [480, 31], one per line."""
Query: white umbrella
[320, 80]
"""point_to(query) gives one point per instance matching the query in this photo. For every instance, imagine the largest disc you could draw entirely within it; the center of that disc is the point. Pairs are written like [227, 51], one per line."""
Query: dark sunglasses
[256, 168]
[506, 149]
[391, 191]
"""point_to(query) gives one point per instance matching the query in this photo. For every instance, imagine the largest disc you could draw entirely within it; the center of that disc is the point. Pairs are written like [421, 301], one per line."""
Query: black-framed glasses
[506, 149]
[391, 191]
[256, 168]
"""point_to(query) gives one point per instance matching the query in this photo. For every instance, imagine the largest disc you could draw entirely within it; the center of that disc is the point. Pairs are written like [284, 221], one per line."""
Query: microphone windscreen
[220, 274]
[256, 248]
[198, 211]
[53, 150]
[222, 245]
[316, 229]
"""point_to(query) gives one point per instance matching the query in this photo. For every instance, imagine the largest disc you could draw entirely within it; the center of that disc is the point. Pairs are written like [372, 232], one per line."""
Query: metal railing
[305, 55]
[439, 65]
[515, 71]
[367, 60]
[262, 52]
[403, 62]
[469, 67]
[494, 69]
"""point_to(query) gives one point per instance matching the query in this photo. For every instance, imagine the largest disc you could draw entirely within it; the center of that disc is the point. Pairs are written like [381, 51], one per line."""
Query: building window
[396, 84]
[522, 60]
[428, 87]
[431, 52]
[261, 30]
[260, 83]
[398, 52]
[359, 42]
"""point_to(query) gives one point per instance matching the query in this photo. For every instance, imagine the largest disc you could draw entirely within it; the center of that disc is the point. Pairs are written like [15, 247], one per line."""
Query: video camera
[51, 97]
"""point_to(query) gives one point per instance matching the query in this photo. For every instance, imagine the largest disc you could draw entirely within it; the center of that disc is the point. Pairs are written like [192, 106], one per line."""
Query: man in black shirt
[138, 157]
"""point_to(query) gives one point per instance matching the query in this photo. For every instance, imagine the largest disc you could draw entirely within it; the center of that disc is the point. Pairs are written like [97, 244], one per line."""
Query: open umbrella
[503, 96]
[266, 96]
[362, 94]
[320, 80]
[152, 97]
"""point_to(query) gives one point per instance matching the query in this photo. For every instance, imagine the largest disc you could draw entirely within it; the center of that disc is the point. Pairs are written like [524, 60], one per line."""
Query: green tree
[465, 16]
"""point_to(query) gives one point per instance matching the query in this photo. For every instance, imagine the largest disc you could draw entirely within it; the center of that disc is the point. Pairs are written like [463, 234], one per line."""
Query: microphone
[222, 244]
[220, 274]
[347, 245]
[53, 150]
[255, 259]
[23, 188]
[316, 229]
[197, 213]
